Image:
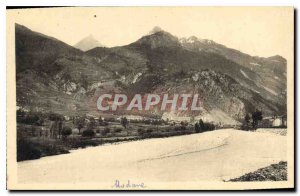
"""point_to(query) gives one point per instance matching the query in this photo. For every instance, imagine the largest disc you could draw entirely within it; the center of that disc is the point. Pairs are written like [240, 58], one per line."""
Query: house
[275, 121]
[266, 122]
[284, 120]
[67, 118]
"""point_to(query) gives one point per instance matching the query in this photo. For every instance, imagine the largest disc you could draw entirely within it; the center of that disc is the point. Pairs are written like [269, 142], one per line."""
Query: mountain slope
[47, 50]
[52, 75]
[165, 62]
[271, 71]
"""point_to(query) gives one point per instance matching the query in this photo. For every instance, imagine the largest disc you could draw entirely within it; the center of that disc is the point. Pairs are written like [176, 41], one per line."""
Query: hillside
[51, 75]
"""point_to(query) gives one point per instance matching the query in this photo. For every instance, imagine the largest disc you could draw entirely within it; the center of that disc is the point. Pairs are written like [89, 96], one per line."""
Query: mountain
[229, 82]
[88, 43]
[271, 71]
[46, 50]
[51, 75]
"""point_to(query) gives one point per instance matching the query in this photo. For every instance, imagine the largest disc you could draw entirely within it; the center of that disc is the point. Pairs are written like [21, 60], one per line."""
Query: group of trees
[66, 131]
[102, 122]
[202, 126]
[56, 128]
[142, 132]
[91, 124]
[89, 131]
[88, 127]
[30, 118]
[124, 122]
[150, 121]
[252, 123]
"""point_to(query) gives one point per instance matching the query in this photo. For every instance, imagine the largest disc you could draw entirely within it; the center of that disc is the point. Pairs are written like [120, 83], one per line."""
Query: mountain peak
[89, 37]
[88, 43]
[158, 38]
[156, 29]
[277, 58]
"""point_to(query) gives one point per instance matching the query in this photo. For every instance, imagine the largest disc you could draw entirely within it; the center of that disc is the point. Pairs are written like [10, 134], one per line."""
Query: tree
[197, 127]
[247, 118]
[100, 121]
[60, 127]
[118, 130]
[55, 117]
[246, 122]
[201, 126]
[80, 123]
[92, 123]
[149, 131]
[105, 131]
[20, 113]
[124, 122]
[66, 131]
[40, 122]
[88, 133]
[256, 116]
[141, 131]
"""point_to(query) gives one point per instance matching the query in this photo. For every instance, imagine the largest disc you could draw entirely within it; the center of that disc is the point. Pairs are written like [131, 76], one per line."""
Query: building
[275, 121]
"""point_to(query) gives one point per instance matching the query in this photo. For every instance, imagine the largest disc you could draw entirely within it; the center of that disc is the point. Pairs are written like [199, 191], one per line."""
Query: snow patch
[136, 77]
[270, 90]
[244, 74]
[195, 77]
[256, 64]
[95, 85]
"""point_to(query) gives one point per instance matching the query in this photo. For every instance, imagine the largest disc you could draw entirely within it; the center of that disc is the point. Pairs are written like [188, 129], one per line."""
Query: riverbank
[35, 148]
[274, 172]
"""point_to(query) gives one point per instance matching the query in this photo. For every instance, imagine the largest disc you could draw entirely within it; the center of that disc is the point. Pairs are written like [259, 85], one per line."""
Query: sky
[258, 31]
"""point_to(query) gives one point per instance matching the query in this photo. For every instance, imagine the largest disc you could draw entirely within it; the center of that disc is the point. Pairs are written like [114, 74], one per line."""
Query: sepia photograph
[150, 98]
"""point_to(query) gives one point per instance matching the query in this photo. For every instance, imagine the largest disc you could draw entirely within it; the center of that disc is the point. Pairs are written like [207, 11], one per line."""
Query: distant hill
[88, 43]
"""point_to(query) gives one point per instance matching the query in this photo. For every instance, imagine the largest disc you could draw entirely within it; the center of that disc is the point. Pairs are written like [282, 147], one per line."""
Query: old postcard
[150, 98]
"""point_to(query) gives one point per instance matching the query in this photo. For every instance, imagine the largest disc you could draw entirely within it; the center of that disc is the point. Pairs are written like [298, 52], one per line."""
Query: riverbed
[211, 156]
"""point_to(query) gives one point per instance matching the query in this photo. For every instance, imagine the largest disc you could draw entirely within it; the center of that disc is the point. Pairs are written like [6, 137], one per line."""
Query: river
[211, 156]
